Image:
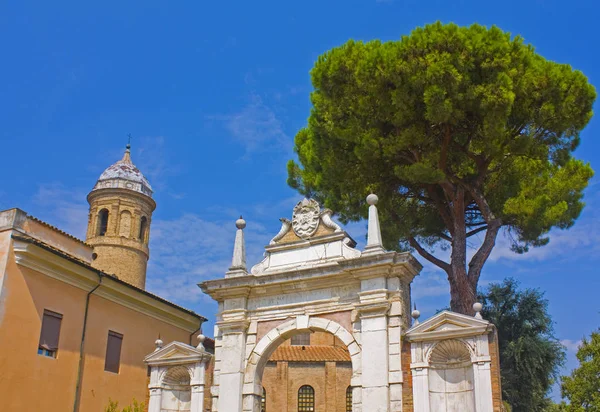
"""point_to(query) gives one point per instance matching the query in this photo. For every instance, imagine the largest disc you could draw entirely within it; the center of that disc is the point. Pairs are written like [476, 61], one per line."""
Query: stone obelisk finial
[374, 242]
[238, 262]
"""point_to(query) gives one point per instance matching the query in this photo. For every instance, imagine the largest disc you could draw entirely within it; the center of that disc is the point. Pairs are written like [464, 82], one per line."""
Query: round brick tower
[121, 207]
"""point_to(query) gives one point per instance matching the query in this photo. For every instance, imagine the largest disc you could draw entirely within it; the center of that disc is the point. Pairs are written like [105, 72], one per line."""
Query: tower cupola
[121, 207]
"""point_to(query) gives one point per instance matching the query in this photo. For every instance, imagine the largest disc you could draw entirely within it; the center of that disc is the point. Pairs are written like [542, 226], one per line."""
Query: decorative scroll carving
[328, 222]
[286, 224]
[305, 219]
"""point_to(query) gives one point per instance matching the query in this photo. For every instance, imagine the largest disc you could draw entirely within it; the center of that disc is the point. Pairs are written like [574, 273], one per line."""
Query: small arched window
[263, 401]
[306, 399]
[102, 222]
[349, 399]
[143, 228]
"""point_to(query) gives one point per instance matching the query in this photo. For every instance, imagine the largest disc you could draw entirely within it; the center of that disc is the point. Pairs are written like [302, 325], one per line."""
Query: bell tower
[121, 207]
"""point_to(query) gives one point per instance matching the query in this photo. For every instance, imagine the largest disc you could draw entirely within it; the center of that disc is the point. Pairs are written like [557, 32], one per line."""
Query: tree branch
[475, 231]
[481, 256]
[438, 262]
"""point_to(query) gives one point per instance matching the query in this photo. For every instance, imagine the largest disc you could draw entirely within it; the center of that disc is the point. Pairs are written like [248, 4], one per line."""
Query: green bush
[135, 407]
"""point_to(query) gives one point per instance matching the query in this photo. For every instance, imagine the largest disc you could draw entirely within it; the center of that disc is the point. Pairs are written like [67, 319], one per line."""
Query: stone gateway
[313, 279]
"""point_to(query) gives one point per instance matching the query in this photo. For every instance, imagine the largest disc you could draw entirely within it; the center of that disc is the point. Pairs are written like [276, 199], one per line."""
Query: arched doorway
[334, 347]
[311, 371]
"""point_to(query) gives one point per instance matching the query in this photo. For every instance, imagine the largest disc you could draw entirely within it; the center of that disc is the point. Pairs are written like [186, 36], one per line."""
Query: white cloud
[188, 250]
[257, 127]
[63, 207]
[571, 345]
[431, 282]
[151, 155]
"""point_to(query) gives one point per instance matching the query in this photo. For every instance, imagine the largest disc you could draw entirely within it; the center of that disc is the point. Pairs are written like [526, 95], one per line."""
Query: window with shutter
[112, 362]
[50, 334]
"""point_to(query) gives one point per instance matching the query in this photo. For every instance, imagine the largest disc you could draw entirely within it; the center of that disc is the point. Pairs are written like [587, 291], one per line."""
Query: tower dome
[123, 174]
[121, 207]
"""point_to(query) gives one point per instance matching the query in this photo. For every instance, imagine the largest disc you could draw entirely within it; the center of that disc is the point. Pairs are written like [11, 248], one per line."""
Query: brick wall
[495, 371]
[282, 380]
[407, 387]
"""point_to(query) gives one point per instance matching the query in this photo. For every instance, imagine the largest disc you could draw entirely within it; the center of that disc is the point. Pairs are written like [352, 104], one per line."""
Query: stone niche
[451, 364]
[177, 374]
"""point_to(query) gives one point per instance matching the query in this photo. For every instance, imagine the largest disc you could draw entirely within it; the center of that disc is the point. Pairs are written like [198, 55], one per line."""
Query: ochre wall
[31, 382]
[139, 333]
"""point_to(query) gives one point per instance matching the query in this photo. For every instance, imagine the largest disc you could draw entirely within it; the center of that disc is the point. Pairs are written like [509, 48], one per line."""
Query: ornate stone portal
[313, 279]
[177, 373]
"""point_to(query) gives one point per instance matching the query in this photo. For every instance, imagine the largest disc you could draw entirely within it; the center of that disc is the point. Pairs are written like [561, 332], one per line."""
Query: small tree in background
[530, 355]
[582, 388]
[135, 407]
[460, 131]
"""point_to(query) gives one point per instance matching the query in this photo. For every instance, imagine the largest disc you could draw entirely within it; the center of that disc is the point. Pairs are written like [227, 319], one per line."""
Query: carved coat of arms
[305, 218]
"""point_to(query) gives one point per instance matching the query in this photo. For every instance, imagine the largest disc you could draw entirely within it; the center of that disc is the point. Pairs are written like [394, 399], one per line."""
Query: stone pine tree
[582, 388]
[530, 355]
[461, 131]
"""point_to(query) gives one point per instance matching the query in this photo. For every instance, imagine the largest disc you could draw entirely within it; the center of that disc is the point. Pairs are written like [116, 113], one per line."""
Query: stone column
[155, 400]
[420, 378]
[231, 375]
[375, 350]
[482, 378]
[197, 384]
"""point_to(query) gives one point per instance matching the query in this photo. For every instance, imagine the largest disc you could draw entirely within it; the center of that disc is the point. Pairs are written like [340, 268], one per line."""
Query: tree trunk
[462, 292]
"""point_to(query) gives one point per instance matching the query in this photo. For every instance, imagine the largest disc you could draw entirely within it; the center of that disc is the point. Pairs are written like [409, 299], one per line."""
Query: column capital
[372, 309]
[233, 326]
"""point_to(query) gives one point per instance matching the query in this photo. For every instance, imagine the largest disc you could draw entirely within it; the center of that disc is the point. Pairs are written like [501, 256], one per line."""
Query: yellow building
[75, 320]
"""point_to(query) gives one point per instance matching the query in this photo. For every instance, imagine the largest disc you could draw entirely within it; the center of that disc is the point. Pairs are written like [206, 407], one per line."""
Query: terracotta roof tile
[310, 353]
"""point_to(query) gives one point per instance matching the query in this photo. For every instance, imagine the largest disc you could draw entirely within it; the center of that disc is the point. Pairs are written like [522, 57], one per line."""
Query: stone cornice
[57, 267]
[120, 192]
[332, 274]
[447, 334]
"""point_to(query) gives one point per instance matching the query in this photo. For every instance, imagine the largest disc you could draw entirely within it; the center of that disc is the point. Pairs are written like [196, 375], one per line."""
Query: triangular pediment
[176, 352]
[447, 324]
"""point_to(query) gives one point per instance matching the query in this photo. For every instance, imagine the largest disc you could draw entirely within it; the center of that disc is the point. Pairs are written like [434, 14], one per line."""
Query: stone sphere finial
[240, 223]
[415, 314]
[477, 306]
[158, 343]
[201, 339]
[372, 199]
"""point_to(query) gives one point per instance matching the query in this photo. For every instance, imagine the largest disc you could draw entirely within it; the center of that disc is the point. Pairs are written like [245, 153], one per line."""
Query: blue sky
[213, 93]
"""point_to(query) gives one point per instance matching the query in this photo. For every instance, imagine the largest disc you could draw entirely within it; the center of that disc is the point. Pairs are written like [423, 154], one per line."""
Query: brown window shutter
[113, 352]
[50, 330]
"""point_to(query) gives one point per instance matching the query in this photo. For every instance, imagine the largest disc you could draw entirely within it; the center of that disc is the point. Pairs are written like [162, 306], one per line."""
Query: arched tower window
[143, 229]
[263, 401]
[349, 399]
[102, 222]
[306, 399]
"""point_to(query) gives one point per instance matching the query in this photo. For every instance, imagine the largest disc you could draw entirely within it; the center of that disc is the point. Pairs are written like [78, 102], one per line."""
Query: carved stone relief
[305, 218]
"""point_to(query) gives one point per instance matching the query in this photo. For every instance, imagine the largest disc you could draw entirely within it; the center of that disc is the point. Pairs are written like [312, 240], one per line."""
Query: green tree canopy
[582, 388]
[459, 130]
[530, 355]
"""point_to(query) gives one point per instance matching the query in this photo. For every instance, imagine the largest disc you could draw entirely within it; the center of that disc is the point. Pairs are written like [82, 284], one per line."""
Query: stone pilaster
[372, 309]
